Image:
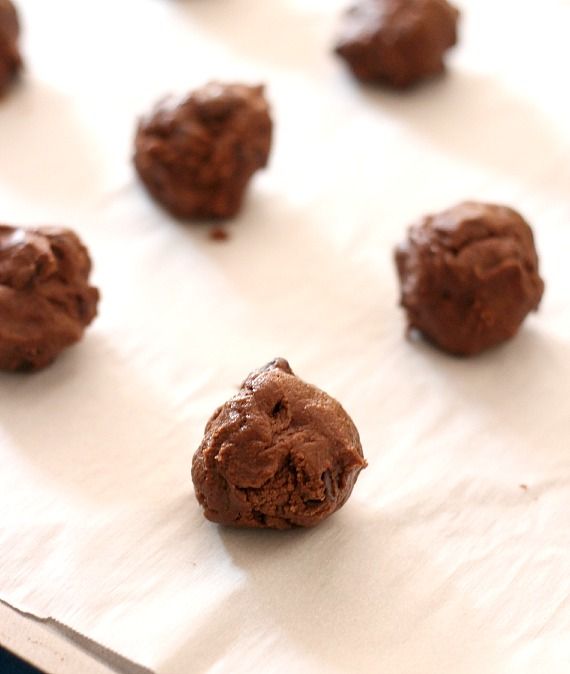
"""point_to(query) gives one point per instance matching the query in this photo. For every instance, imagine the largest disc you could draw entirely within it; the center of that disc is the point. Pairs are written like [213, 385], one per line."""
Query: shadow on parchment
[47, 156]
[278, 33]
[521, 387]
[279, 260]
[346, 597]
[480, 121]
[94, 426]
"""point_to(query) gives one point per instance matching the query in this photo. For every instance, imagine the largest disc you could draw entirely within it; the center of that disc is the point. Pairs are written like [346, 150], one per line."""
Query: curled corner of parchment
[105, 656]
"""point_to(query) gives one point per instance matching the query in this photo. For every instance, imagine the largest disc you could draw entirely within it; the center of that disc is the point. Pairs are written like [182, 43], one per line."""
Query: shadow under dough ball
[397, 42]
[10, 59]
[197, 155]
[279, 454]
[45, 298]
[469, 276]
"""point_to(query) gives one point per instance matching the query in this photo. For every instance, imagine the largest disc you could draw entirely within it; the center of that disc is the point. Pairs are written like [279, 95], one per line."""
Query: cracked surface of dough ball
[197, 155]
[45, 297]
[469, 276]
[397, 42]
[279, 454]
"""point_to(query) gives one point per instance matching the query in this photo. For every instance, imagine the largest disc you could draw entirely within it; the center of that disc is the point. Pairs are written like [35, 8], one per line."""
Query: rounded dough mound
[45, 297]
[10, 59]
[196, 156]
[280, 453]
[469, 276]
[397, 42]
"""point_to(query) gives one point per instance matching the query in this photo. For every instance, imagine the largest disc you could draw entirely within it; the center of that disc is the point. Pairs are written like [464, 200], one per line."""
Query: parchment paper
[453, 555]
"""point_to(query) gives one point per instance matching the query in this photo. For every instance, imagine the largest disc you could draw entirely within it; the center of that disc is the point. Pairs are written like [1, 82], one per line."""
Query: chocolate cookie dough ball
[10, 59]
[197, 156]
[45, 298]
[397, 42]
[279, 454]
[469, 276]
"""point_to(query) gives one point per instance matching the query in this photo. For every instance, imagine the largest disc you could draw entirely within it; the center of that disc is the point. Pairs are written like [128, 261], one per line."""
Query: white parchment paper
[453, 555]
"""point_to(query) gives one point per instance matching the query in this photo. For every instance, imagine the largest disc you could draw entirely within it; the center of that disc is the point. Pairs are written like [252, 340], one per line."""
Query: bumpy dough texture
[469, 276]
[10, 59]
[197, 156]
[397, 42]
[45, 298]
[280, 453]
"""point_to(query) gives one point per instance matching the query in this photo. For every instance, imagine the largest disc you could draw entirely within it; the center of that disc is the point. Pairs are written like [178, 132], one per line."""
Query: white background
[441, 562]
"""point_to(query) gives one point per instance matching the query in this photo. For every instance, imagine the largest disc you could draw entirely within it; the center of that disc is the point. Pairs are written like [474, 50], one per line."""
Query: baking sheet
[453, 553]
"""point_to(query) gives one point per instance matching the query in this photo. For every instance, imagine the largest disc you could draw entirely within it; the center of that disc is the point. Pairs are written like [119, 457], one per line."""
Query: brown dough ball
[197, 156]
[397, 42]
[469, 276]
[10, 59]
[45, 298]
[280, 453]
